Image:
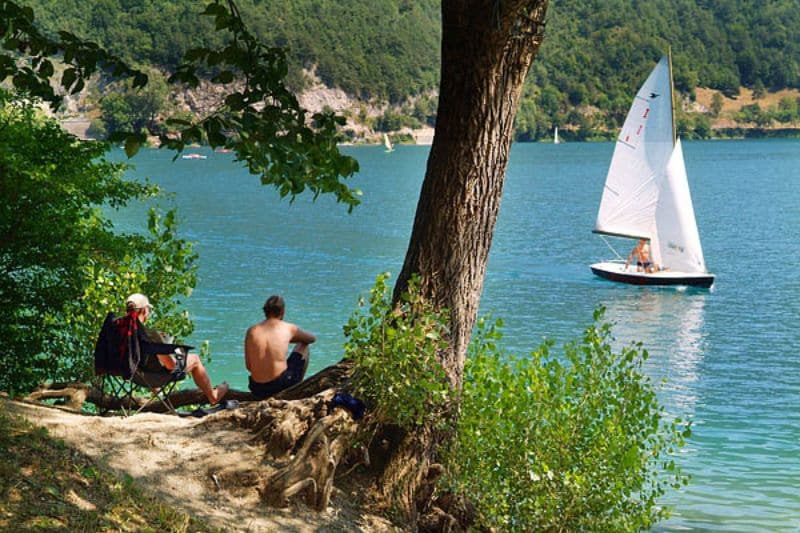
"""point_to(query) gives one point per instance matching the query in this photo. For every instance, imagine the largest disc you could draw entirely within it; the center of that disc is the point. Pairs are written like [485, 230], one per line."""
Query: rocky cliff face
[79, 110]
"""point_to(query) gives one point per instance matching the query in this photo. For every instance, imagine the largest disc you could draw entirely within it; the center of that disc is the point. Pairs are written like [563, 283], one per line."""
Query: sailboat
[646, 193]
[387, 143]
[555, 136]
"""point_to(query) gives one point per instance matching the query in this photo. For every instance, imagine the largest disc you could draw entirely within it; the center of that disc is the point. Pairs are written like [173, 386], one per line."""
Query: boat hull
[617, 272]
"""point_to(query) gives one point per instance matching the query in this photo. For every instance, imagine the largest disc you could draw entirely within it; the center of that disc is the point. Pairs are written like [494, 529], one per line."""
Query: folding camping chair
[126, 360]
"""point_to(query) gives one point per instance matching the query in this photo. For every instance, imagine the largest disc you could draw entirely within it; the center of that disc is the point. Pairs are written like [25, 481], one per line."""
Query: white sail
[387, 143]
[678, 242]
[646, 194]
[628, 204]
[555, 136]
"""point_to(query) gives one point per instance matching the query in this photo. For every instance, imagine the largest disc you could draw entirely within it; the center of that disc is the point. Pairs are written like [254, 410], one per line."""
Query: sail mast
[672, 96]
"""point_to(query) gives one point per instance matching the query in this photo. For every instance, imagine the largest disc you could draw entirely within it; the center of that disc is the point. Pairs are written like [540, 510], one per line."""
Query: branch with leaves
[260, 119]
[27, 57]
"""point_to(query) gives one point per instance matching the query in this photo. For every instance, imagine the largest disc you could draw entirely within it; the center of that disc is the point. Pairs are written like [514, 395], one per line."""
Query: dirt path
[192, 466]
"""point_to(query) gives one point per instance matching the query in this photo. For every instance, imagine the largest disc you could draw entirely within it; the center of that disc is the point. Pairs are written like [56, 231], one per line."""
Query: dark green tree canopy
[594, 57]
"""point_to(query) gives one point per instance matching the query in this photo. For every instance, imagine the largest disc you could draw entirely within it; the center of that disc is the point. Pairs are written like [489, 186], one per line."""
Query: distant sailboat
[387, 143]
[555, 136]
[646, 194]
[193, 156]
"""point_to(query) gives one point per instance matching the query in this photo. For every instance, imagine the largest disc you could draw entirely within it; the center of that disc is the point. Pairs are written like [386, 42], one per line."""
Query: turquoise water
[730, 354]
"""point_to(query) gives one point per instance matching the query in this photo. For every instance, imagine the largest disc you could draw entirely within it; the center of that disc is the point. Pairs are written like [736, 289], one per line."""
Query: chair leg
[103, 410]
[162, 393]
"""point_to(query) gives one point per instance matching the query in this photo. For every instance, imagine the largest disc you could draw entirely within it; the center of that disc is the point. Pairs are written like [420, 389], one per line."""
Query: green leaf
[68, 78]
[225, 76]
[235, 101]
[132, 145]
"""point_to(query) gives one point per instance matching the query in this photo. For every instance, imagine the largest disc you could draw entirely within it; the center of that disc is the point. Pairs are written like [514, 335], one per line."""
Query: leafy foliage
[394, 352]
[594, 56]
[391, 47]
[261, 120]
[21, 39]
[578, 443]
[62, 265]
[126, 109]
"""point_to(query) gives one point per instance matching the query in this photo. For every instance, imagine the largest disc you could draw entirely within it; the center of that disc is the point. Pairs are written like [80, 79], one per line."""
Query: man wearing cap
[265, 347]
[140, 305]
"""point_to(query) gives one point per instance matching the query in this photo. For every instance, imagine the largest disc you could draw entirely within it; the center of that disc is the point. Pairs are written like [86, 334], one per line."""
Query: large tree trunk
[487, 50]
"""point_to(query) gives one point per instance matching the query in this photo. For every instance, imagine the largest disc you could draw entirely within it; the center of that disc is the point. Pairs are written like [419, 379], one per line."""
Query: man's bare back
[266, 347]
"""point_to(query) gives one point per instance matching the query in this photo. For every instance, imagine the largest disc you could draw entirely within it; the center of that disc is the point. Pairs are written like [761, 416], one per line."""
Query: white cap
[137, 300]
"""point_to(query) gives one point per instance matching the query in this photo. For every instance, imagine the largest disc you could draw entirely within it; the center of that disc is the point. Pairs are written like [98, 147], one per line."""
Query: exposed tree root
[313, 467]
[304, 441]
[73, 394]
[332, 377]
[76, 394]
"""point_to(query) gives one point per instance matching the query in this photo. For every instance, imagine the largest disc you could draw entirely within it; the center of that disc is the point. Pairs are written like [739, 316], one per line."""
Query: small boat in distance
[646, 194]
[555, 136]
[387, 144]
[194, 156]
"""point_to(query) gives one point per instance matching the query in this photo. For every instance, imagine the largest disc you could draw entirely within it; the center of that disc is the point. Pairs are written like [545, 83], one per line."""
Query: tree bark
[487, 49]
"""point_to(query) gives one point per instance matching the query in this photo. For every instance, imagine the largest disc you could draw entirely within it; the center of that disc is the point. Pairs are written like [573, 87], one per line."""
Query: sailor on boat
[642, 253]
[646, 195]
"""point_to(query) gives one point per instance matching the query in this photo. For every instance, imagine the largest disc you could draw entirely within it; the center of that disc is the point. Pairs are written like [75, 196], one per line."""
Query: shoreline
[78, 126]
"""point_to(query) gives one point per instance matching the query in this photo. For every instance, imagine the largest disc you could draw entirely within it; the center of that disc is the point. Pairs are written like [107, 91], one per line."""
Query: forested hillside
[386, 50]
[598, 51]
[595, 54]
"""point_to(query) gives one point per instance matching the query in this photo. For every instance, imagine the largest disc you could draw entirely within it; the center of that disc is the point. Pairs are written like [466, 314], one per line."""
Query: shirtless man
[642, 253]
[265, 348]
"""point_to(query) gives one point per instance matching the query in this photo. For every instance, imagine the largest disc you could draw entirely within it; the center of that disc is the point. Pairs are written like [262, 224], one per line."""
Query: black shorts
[295, 366]
[646, 264]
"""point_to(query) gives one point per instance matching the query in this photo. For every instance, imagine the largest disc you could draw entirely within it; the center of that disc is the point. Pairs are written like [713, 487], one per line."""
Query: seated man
[140, 305]
[642, 253]
[265, 348]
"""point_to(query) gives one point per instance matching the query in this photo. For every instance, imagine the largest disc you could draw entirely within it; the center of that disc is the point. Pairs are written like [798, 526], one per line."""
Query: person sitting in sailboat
[642, 253]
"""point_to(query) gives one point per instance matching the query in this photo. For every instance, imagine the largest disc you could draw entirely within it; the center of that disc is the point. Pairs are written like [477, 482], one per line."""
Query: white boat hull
[618, 272]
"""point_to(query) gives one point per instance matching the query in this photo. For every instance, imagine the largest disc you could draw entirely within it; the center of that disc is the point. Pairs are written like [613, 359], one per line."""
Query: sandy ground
[192, 463]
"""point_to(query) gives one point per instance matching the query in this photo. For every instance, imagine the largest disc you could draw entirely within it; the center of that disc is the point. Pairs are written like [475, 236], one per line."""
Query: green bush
[394, 353]
[572, 443]
[62, 264]
[126, 109]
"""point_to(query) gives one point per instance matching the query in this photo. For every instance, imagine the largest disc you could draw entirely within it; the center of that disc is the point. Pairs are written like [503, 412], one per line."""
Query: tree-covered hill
[595, 54]
[385, 50]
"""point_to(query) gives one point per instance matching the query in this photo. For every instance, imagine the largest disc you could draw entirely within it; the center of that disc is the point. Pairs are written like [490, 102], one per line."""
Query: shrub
[63, 266]
[578, 443]
[394, 354]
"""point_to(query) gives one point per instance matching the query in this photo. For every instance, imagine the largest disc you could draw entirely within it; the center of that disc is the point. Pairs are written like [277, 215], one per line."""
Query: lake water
[730, 354]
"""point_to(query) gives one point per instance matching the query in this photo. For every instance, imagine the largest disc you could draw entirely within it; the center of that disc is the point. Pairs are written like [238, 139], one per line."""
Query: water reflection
[670, 326]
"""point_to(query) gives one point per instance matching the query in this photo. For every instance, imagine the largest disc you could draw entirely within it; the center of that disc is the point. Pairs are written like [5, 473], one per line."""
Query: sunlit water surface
[730, 355]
